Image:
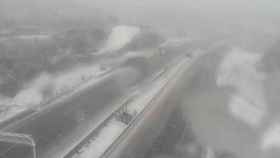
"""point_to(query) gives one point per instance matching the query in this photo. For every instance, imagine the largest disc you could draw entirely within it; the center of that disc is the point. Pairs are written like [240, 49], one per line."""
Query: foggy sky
[168, 13]
[141, 9]
[177, 9]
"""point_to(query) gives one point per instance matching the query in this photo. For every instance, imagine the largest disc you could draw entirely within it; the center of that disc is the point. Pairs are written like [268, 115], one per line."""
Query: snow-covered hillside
[119, 37]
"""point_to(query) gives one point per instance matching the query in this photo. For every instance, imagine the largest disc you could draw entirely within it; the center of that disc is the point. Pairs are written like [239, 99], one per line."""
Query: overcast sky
[141, 9]
[146, 8]
[182, 13]
[170, 13]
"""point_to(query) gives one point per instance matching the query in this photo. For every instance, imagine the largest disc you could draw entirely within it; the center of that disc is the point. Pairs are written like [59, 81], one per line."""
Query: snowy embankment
[247, 104]
[46, 87]
[238, 70]
[119, 37]
[48, 84]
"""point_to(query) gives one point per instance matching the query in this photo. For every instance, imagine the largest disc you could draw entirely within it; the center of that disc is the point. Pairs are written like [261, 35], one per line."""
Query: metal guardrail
[26, 140]
[16, 139]
[95, 131]
[139, 116]
[119, 114]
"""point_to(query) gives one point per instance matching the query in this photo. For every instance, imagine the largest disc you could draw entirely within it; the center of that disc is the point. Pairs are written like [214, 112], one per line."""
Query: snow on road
[98, 146]
[114, 128]
[142, 101]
